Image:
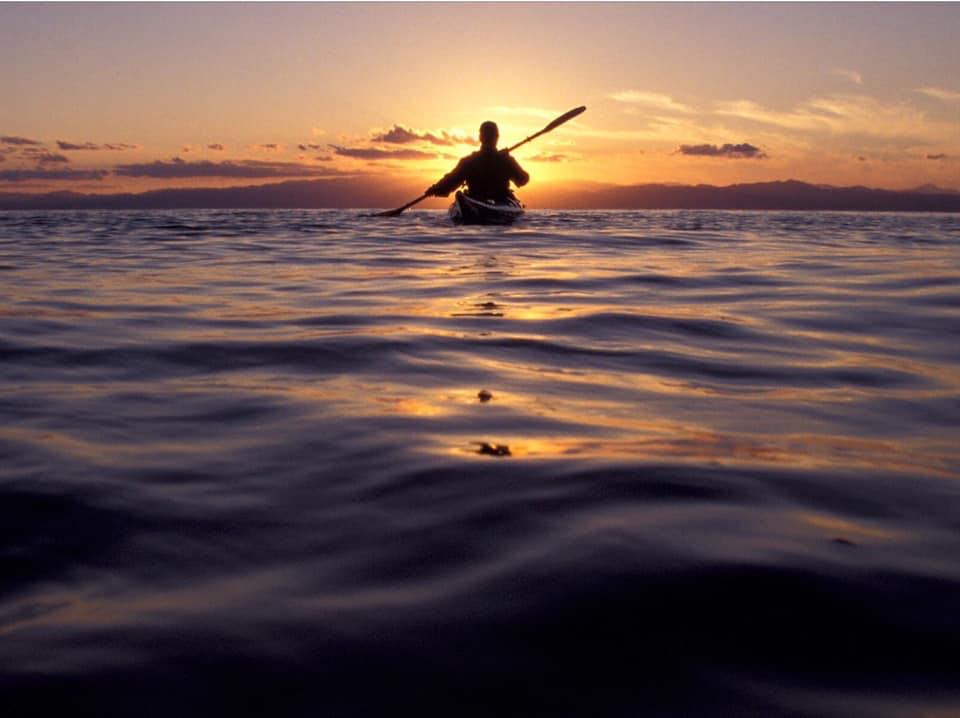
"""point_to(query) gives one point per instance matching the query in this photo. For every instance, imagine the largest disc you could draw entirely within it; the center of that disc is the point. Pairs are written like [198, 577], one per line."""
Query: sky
[129, 97]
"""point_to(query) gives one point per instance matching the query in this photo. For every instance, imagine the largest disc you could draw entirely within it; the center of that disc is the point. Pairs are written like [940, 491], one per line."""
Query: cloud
[651, 99]
[42, 156]
[370, 153]
[8, 140]
[839, 114]
[323, 158]
[401, 135]
[851, 75]
[2, 158]
[939, 93]
[50, 158]
[249, 169]
[77, 146]
[54, 175]
[544, 157]
[308, 146]
[70, 146]
[938, 156]
[741, 151]
[216, 146]
[461, 139]
[749, 110]
[269, 147]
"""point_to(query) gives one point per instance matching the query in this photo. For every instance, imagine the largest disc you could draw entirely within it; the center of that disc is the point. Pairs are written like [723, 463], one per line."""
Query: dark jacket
[487, 174]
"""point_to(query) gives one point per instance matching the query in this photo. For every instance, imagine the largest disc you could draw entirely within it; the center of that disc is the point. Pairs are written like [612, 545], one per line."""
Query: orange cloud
[544, 157]
[852, 75]
[651, 99]
[839, 114]
[939, 93]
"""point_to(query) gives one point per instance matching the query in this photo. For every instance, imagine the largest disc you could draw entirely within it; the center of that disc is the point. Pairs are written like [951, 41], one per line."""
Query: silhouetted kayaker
[487, 172]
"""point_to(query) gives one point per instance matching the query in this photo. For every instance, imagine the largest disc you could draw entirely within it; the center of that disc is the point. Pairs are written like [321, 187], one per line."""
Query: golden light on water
[848, 527]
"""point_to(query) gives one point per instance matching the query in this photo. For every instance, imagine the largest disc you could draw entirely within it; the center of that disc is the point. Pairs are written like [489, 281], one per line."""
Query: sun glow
[340, 93]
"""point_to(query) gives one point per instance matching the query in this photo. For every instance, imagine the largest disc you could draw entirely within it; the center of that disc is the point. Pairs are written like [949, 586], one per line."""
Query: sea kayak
[468, 210]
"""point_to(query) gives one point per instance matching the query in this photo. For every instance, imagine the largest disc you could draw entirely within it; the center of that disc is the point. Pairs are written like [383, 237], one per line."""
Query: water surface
[244, 466]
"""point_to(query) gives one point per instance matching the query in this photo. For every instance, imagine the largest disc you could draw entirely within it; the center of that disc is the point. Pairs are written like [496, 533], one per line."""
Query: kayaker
[487, 172]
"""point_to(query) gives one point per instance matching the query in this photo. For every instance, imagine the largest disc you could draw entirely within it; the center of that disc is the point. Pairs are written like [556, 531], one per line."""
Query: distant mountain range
[359, 192]
[788, 195]
[295, 194]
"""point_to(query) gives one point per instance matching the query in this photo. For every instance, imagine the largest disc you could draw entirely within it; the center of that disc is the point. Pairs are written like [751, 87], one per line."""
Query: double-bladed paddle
[565, 117]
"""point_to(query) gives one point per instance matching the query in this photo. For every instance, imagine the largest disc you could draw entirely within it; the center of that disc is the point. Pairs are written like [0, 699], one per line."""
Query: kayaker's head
[489, 134]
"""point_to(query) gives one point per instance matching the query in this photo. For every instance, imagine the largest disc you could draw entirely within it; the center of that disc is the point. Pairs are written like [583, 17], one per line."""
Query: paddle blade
[565, 117]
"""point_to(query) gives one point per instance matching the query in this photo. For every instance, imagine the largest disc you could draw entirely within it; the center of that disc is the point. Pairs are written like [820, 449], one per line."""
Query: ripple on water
[246, 460]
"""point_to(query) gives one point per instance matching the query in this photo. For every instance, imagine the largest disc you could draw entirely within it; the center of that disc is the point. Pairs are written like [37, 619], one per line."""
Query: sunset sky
[111, 97]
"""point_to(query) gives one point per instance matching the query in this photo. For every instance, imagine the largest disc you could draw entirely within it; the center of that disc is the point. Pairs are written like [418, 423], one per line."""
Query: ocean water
[245, 467]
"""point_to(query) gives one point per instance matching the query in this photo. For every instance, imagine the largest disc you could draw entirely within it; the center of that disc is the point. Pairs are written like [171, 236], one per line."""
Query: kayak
[468, 210]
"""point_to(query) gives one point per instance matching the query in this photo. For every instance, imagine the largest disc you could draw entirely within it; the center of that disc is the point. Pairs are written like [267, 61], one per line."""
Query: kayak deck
[469, 210]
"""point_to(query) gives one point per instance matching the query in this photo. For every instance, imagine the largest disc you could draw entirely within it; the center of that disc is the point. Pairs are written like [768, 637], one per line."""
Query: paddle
[565, 117]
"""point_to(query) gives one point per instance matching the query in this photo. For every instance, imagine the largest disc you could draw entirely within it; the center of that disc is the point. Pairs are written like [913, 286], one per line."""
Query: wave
[614, 463]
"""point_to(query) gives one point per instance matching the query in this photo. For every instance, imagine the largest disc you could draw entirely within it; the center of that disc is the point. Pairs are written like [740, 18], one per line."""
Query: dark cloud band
[741, 151]
[371, 153]
[400, 135]
[250, 169]
[51, 158]
[20, 141]
[77, 146]
[51, 175]
[74, 146]
[42, 155]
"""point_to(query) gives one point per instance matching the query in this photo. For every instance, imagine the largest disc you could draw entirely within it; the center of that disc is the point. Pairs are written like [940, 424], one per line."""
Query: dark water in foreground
[244, 469]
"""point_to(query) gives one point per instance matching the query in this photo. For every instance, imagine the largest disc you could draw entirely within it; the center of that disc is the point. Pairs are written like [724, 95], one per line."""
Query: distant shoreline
[356, 193]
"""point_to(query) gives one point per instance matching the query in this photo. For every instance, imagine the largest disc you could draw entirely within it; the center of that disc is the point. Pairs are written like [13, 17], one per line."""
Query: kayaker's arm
[450, 181]
[517, 173]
